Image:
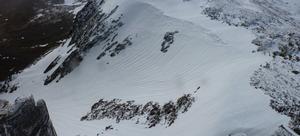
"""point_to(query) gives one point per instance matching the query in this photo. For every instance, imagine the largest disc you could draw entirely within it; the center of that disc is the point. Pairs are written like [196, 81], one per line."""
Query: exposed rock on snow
[151, 113]
[52, 64]
[91, 26]
[278, 80]
[7, 87]
[25, 118]
[114, 47]
[277, 31]
[168, 41]
[277, 35]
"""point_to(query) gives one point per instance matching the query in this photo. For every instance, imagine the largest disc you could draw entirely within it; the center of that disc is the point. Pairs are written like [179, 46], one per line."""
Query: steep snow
[205, 53]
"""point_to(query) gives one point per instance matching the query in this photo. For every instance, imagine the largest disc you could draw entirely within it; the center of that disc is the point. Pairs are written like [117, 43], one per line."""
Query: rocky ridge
[151, 113]
[91, 26]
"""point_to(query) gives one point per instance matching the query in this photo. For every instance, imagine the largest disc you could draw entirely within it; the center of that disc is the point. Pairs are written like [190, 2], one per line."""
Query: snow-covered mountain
[130, 64]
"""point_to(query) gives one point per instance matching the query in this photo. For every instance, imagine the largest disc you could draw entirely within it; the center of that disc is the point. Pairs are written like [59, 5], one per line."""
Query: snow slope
[205, 53]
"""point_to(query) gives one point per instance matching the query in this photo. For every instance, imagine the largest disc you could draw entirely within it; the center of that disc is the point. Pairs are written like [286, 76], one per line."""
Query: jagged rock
[278, 81]
[52, 64]
[113, 47]
[273, 36]
[25, 118]
[153, 112]
[91, 25]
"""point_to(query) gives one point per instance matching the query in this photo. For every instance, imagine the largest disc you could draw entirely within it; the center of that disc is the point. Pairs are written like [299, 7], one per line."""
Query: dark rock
[153, 112]
[295, 72]
[115, 47]
[8, 87]
[91, 26]
[52, 64]
[72, 61]
[101, 55]
[168, 41]
[25, 118]
[109, 128]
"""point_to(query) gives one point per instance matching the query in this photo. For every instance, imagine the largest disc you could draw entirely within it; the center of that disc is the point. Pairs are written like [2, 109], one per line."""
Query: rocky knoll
[151, 113]
[25, 118]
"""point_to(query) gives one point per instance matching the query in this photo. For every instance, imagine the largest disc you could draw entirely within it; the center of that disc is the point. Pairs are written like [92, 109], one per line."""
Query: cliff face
[91, 26]
[25, 118]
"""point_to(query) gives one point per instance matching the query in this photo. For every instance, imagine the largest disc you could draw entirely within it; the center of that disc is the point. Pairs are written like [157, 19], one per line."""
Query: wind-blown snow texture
[115, 52]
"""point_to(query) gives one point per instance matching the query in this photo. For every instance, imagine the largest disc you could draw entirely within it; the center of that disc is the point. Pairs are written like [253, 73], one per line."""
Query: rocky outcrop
[91, 25]
[278, 36]
[151, 113]
[168, 41]
[25, 118]
[280, 81]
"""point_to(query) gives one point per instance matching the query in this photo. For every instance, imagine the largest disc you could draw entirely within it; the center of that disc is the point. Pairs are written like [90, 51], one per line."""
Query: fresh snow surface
[205, 53]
